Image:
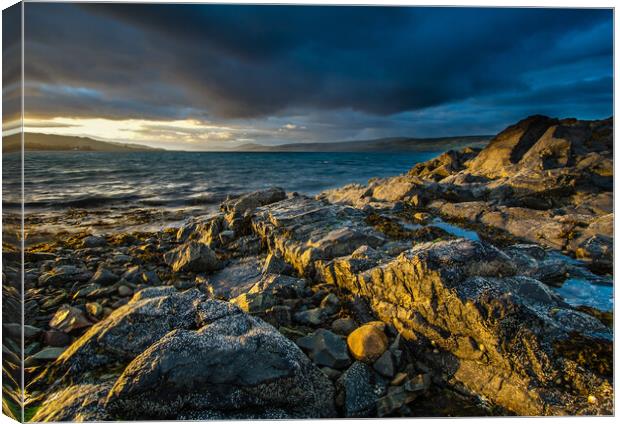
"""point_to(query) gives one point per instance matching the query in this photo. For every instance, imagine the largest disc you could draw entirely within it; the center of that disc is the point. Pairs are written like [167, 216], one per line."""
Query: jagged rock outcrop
[505, 335]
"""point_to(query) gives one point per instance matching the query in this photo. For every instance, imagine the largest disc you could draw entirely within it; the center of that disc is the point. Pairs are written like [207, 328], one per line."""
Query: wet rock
[362, 388]
[194, 257]
[326, 348]
[104, 277]
[68, 318]
[343, 326]
[368, 342]
[161, 382]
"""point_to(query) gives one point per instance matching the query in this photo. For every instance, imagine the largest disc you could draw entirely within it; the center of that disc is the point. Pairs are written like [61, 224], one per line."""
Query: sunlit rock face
[499, 332]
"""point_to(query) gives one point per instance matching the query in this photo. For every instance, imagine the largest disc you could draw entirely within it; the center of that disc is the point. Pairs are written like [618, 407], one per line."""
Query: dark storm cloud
[367, 64]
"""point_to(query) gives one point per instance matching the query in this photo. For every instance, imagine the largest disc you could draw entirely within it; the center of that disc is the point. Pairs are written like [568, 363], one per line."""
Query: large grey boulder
[81, 402]
[237, 364]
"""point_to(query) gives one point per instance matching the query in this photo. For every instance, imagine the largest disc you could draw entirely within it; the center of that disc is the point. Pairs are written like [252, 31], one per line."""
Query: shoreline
[407, 296]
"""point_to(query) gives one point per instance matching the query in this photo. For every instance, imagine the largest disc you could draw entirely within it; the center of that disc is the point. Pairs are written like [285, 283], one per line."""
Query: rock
[56, 338]
[395, 399]
[47, 354]
[419, 383]
[133, 274]
[184, 284]
[130, 329]
[343, 326]
[75, 403]
[240, 365]
[368, 342]
[278, 315]
[314, 316]
[268, 291]
[361, 387]
[250, 201]
[104, 277]
[451, 292]
[16, 330]
[385, 365]
[399, 379]
[274, 264]
[193, 257]
[65, 274]
[124, 291]
[331, 373]
[94, 309]
[330, 304]
[236, 278]
[94, 241]
[325, 348]
[68, 318]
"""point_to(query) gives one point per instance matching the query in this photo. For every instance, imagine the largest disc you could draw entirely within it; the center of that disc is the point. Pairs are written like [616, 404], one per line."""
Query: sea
[61, 180]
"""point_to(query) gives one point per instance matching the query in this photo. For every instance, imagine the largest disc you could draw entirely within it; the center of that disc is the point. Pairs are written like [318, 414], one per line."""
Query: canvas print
[228, 211]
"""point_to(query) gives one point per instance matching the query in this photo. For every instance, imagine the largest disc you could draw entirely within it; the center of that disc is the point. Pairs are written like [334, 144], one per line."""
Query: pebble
[344, 326]
[368, 342]
[124, 291]
[94, 309]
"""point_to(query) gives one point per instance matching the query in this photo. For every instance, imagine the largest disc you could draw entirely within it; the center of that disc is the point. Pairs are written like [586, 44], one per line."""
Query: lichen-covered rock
[82, 402]
[361, 388]
[236, 278]
[237, 364]
[130, 329]
[193, 256]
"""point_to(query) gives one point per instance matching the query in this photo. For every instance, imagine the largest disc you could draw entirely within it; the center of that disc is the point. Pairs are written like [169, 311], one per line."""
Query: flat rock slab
[237, 278]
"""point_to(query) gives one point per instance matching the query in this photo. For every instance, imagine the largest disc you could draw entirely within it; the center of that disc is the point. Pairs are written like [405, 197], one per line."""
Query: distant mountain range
[51, 142]
[394, 144]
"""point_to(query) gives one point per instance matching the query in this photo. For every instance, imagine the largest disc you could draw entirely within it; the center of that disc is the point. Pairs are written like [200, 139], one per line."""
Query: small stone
[55, 301]
[331, 373]
[56, 338]
[592, 400]
[150, 277]
[47, 354]
[226, 237]
[368, 342]
[399, 379]
[326, 348]
[94, 241]
[419, 383]
[278, 315]
[184, 284]
[94, 309]
[124, 291]
[314, 316]
[343, 326]
[104, 277]
[385, 365]
[330, 304]
[68, 318]
[396, 398]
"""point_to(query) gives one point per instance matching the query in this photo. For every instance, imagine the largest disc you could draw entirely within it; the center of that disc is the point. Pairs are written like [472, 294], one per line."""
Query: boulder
[68, 318]
[194, 257]
[236, 364]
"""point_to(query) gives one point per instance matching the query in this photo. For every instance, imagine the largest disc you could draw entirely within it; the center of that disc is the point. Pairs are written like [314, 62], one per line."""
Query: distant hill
[51, 142]
[395, 144]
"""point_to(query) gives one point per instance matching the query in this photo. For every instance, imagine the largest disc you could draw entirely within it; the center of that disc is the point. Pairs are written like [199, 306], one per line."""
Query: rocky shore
[426, 294]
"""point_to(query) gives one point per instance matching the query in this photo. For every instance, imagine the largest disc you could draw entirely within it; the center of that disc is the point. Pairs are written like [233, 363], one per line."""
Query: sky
[200, 77]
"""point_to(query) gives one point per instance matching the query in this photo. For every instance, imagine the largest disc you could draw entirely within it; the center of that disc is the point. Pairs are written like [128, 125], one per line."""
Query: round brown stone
[368, 342]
